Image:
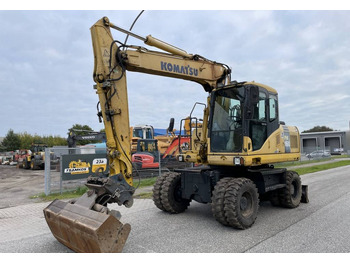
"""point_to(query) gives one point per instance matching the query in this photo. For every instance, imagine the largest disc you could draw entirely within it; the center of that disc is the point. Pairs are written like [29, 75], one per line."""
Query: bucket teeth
[85, 230]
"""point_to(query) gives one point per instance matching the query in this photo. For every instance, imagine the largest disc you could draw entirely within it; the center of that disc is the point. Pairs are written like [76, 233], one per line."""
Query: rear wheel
[241, 203]
[290, 196]
[171, 198]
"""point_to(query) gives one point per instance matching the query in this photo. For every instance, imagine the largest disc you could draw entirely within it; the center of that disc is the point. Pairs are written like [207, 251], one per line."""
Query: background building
[329, 140]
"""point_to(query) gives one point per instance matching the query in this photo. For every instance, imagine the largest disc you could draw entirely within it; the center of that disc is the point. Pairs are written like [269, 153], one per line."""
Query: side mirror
[171, 125]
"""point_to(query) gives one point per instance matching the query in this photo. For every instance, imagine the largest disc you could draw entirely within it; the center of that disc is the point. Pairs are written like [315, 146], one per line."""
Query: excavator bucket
[85, 230]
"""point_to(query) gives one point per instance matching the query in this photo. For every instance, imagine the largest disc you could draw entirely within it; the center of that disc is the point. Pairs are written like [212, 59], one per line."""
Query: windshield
[137, 132]
[226, 128]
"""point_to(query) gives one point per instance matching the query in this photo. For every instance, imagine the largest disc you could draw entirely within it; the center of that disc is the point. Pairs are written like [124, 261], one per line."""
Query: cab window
[273, 107]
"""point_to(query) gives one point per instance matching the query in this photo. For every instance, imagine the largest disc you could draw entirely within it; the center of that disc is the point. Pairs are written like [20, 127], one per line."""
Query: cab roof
[268, 88]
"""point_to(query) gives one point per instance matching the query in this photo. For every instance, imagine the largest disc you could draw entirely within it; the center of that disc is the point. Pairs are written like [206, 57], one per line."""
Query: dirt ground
[17, 185]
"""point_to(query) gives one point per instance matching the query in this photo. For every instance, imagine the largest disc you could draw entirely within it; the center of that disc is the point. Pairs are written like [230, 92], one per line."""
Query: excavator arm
[86, 224]
[113, 59]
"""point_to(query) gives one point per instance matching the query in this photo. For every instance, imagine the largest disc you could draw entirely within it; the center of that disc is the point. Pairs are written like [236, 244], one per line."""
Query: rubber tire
[26, 165]
[240, 192]
[217, 200]
[32, 165]
[157, 191]
[171, 194]
[290, 196]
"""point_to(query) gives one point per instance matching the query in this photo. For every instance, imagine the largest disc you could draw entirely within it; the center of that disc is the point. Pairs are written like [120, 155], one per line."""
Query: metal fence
[68, 168]
[312, 153]
[54, 182]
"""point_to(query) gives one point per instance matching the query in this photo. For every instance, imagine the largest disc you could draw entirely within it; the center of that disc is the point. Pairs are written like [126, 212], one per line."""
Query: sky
[46, 64]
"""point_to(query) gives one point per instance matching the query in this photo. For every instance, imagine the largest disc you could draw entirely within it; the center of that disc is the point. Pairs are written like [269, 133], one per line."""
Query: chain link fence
[312, 153]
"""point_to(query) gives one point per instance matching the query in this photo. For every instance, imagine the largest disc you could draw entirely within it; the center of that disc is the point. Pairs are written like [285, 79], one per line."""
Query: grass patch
[340, 156]
[65, 195]
[300, 163]
[145, 182]
[145, 195]
[81, 190]
[312, 169]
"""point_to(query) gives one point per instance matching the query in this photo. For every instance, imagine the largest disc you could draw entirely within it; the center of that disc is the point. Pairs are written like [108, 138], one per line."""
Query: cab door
[258, 122]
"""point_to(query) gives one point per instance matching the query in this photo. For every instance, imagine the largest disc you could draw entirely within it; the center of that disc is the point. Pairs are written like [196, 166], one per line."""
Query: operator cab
[144, 132]
[242, 109]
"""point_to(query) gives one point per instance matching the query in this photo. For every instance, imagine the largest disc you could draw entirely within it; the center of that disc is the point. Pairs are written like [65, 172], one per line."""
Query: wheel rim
[246, 204]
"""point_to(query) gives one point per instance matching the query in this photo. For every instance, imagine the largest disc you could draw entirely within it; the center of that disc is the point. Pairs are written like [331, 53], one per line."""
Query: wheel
[171, 194]
[32, 164]
[290, 196]
[241, 203]
[217, 200]
[157, 189]
[26, 165]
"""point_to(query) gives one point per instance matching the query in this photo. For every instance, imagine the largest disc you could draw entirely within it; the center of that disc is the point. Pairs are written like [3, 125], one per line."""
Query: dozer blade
[84, 230]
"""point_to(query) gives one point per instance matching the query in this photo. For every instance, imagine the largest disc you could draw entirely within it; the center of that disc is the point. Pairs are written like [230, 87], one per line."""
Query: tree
[26, 140]
[11, 142]
[318, 129]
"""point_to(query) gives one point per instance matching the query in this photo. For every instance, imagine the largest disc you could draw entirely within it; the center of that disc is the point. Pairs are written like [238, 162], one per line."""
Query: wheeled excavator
[234, 148]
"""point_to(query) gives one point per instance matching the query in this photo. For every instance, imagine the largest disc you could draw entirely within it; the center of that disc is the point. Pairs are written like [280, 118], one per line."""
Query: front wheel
[33, 166]
[241, 203]
[26, 164]
[157, 192]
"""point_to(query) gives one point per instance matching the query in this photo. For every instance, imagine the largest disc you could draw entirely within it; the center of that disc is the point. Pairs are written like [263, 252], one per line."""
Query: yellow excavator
[234, 148]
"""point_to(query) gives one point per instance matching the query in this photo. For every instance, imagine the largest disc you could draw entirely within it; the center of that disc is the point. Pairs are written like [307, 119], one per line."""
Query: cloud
[46, 68]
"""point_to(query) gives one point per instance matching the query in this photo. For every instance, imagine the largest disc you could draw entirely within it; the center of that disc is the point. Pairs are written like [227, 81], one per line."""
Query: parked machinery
[20, 157]
[36, 160]
[88, 136]
[140, 132]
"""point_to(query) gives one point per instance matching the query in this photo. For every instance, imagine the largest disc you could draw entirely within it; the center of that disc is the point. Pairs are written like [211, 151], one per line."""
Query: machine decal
[186, 70]
[77, 167]
[286, 139]
[105, 56]
[99, 164]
